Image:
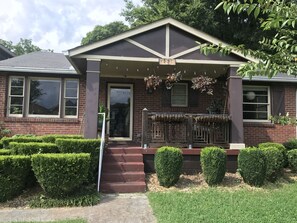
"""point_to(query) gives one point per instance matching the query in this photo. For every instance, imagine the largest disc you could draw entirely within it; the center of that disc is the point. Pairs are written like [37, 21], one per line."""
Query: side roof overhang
[163, 39]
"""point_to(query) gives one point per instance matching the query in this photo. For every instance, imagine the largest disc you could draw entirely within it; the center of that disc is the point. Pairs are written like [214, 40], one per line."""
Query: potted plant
[152, 82]
[204, 84]
[172, 78]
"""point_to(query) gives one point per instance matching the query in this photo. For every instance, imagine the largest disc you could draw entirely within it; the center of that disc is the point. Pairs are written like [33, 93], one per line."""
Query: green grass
[61, 221]
[217, 205]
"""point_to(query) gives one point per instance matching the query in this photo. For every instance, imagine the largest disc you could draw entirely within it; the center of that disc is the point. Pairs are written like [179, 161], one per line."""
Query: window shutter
[278, 100]
[193, 97]
[166, 96]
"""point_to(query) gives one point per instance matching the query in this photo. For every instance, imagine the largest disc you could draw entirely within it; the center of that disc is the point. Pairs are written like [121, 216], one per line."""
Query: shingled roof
[41, 62]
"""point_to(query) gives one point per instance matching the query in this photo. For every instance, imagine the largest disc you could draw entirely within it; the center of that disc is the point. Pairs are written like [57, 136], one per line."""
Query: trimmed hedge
[5, 152]
[90, 146]
[278, 146]
[32, 148]
[60, 175]
[213, 163]
[252, 166]
[1, 144]
[7, 140]
[14, 171]
[292, 157]
[290, 144]
[52, 138]
[168, 164]
[274, 163]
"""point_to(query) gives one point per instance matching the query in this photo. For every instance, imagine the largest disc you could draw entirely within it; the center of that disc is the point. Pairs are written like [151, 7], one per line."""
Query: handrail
[102, 142]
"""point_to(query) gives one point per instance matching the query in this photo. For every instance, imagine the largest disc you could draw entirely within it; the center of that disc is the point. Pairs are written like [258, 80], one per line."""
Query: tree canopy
[22, 47]
[102, 32]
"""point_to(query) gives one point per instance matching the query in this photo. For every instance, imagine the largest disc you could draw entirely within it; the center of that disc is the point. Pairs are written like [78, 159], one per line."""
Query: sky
[56, 24]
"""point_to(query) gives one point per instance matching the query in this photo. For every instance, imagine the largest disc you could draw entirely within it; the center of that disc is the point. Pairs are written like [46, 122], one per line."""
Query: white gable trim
[145, 48]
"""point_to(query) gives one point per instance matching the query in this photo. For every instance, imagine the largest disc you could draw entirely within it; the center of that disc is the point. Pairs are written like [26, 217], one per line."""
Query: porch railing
[184, 129]
[102, 143]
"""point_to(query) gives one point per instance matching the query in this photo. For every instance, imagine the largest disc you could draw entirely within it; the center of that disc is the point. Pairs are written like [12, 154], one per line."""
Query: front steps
[123, 171]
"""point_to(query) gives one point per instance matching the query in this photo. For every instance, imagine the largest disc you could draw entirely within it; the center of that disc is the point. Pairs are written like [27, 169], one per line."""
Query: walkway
[124, 208]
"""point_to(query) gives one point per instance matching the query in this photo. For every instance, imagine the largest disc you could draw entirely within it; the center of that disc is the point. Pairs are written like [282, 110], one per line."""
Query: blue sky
[56, 24]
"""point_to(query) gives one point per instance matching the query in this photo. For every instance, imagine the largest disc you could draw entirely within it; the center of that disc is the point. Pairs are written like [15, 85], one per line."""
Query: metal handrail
[102, 142]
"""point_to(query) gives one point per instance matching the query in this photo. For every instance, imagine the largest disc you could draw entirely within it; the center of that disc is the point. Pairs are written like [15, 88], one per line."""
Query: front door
[120, 106]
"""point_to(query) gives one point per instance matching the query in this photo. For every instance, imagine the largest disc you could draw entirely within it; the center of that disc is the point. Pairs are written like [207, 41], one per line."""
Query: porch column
[235, 109]
[92, 98]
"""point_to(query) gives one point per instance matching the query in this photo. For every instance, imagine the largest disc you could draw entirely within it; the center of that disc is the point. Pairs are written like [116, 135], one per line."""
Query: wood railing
[184, 129]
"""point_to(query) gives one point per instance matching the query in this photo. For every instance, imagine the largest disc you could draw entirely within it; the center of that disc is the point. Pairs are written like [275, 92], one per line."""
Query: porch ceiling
[130, 69]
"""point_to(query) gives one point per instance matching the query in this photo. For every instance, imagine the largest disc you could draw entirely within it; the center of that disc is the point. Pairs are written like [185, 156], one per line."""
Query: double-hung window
[256, 103]
[42, 97]
[179, 95]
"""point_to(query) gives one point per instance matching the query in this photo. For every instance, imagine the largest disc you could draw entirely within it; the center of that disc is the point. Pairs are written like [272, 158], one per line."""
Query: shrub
[292, 157]
[213, 163]
[1, 144]
[168, 165]
[4, 152]
[252, 166]
[52, 138]
[274, 163]
[13, 173]
[290, 144]
[32, 148]
[278, 146]
[7, 140]
[60, 174]
[82, 146]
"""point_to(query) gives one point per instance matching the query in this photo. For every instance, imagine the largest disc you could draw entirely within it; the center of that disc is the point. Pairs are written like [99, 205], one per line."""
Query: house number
[165, 61]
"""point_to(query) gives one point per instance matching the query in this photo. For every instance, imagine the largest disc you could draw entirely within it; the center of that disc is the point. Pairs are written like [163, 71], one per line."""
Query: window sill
[41, 120]
[258, 124]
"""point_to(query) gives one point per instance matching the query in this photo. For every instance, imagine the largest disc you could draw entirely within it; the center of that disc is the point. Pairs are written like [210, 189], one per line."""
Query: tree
[22, 47]
[278, 54]
[102, 32]
[199, 14]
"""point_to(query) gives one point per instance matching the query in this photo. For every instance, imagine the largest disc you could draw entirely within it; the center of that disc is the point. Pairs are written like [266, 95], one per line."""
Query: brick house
[44, 93]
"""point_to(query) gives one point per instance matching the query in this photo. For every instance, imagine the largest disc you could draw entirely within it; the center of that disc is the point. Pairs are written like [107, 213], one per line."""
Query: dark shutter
[166, 96]
[278, 100]
[193, 96]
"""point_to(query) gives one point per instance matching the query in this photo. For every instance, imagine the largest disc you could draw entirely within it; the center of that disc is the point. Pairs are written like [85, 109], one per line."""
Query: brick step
[123, 150]
[123, 177]
[116, 167]
[123, 158]
[127, 187]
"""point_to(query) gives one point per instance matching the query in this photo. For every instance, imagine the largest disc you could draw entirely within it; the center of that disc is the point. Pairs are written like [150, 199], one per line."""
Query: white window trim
[110, 85]
[268, 106]
[77, 98]
[9, 97]
[187, 96]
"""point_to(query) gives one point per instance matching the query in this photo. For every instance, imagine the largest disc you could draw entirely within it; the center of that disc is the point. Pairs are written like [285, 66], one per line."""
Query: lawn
[271, 204]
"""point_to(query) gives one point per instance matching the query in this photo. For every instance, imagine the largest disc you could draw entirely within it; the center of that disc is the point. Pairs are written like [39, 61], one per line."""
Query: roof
[5, 53]
[281, 77]
[38, 62]
[167, 21]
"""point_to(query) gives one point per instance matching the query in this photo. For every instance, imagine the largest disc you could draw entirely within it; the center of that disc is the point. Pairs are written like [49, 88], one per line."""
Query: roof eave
[37, 70]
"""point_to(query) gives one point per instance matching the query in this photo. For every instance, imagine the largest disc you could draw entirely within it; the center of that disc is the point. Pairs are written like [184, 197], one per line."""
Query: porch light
[251, 95]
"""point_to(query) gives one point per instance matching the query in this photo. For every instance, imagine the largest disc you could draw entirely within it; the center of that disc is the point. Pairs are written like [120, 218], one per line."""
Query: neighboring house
[5, 53]
[42, 93]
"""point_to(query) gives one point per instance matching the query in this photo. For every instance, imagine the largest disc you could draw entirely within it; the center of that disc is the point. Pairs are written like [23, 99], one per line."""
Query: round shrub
[290, 144]
[90, 146]
[292, 157]
[14, 171]
[5, 152]
[7, 140]
[168, 165]
[252, 166]
[279, 147]
[213, 163]
[60, 174]
[52, 138]
[32, 148]
[274, 163]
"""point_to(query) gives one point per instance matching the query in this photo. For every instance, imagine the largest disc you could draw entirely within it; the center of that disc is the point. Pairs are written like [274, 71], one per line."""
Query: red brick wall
[41, 126]
[255, 133]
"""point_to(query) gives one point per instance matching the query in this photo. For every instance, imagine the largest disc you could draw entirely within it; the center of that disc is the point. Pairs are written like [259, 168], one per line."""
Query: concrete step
[123, 150]
[124, 177]
[123, 158]
[118, 167]
[120, 187]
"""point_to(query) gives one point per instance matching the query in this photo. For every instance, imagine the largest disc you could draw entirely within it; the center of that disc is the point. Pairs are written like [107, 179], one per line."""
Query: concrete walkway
[124, 208]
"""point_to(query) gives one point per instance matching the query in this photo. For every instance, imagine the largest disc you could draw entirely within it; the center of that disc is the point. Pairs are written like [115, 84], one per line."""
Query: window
[71, 97]
[44, 97]
[179, 95]
[16, 96]
[256, 104]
